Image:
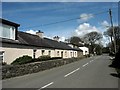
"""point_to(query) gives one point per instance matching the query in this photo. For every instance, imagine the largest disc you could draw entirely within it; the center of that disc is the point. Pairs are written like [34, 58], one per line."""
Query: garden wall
[9, 71]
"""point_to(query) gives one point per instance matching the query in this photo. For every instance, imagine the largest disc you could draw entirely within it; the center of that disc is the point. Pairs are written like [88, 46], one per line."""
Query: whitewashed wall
[11, 54]
[85, 50]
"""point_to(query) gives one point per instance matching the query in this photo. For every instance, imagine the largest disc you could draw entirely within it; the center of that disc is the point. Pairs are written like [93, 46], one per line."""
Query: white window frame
[42, 52]
[66, 53]
[11, 30]
[58, 53]
[49, 53]
[2, 55]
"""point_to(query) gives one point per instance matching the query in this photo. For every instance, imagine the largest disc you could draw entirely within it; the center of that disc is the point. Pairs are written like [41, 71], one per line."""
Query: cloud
[62, 39]
[86, 17]
[105, 41]
[84, 28]
[31, 31]
[105, 23]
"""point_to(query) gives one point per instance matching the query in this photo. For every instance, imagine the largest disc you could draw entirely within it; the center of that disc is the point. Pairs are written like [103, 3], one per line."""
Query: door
[62, 54]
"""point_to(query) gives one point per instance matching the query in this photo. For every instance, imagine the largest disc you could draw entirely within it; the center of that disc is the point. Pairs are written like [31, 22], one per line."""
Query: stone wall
[9, 71]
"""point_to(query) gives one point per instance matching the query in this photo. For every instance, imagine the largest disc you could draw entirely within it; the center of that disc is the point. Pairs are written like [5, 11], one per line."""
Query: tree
[76, 40]
[109, 33]
[91, 38]
[98, 48]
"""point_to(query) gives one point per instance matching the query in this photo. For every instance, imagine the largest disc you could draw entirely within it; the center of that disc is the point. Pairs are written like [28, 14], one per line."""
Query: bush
[112, 54]
[88, 55]
[44, 58]
[56, 58]
[4, 63]
[22, 60]
[116, 61]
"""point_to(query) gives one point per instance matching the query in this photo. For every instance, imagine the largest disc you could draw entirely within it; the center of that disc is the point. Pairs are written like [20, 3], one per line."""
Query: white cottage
[85, 50]
[16, 44]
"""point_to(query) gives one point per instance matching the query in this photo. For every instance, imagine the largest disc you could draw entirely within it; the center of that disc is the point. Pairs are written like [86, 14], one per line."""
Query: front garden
[26, 65]
[28, 59]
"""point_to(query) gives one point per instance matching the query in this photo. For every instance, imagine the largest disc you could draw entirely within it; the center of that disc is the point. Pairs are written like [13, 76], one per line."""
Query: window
[58, 53]
[1, 56]
[34, 53]
[49, 53]
[7, 31]
[66, 53]
[71, 54]
[43, 52]
[62, 54]
[75, 54]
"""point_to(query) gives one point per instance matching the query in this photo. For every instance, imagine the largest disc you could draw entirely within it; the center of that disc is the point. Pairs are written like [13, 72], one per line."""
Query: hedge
[22, 60]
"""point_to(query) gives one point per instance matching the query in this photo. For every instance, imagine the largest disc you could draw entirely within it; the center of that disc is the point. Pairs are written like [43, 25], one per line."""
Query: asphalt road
[86, 73]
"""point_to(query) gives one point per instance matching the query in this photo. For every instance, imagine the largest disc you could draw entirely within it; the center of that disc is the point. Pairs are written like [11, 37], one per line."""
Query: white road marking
[91, 60]
[85, 64]
[71, 72]
[46, 85]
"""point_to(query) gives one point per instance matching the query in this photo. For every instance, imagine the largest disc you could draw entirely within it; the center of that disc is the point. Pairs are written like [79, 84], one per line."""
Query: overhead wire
[67, 20]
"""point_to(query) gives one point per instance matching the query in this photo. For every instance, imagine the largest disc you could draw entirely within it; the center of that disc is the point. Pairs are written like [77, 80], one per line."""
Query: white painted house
[85, 50]
[16, 44]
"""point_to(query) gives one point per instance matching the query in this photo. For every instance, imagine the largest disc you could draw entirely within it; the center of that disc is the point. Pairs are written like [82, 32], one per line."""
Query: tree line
[92, 40]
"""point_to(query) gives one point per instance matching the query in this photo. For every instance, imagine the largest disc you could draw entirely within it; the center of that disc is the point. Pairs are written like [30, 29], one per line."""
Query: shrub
[116, 62]
[56, 58]
[44, 58]
[4, 63]
[22, 60]
[111, 54]
[88, 55]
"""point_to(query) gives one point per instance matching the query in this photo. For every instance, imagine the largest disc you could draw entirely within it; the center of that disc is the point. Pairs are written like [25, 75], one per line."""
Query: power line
[66, 20]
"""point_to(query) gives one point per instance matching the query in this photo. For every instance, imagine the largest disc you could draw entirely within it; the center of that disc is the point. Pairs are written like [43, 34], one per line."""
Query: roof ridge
[28, 33]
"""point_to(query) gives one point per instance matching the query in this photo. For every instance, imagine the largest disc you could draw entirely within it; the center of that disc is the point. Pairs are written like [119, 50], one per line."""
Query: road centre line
[46, 85]
[77, 69]
[85, 64]
[91, 60]
[65, 75]
[71, 72]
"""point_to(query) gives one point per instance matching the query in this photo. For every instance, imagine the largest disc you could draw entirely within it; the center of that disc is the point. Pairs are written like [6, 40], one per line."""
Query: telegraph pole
[114, 42]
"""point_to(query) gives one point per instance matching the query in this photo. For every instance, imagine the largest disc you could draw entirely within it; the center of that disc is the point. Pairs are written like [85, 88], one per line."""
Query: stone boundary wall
[9, 71]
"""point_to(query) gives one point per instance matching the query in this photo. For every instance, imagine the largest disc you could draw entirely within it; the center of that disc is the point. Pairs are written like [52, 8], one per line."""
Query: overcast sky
[83, 17]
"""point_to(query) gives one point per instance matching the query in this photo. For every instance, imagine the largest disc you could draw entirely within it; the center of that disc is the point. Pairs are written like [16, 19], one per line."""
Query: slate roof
[9, 23]
[57, 45]
[5, 40]
[30, 39]
[34, 40]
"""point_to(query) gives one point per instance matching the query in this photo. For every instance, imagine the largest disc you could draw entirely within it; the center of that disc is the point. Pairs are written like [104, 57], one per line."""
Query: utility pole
[114, 42]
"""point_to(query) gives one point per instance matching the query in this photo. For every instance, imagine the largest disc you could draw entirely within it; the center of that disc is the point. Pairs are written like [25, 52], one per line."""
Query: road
[90, 72]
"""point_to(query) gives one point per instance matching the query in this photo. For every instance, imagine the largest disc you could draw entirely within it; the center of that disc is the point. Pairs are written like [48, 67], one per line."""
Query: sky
[63, 19]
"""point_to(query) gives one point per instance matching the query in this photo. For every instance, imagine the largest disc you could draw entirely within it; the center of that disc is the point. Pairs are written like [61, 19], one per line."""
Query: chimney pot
[40, 34]
[56, 38]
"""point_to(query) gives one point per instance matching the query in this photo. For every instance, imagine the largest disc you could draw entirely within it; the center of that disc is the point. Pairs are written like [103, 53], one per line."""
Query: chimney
[40, 34]
[56, 38]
